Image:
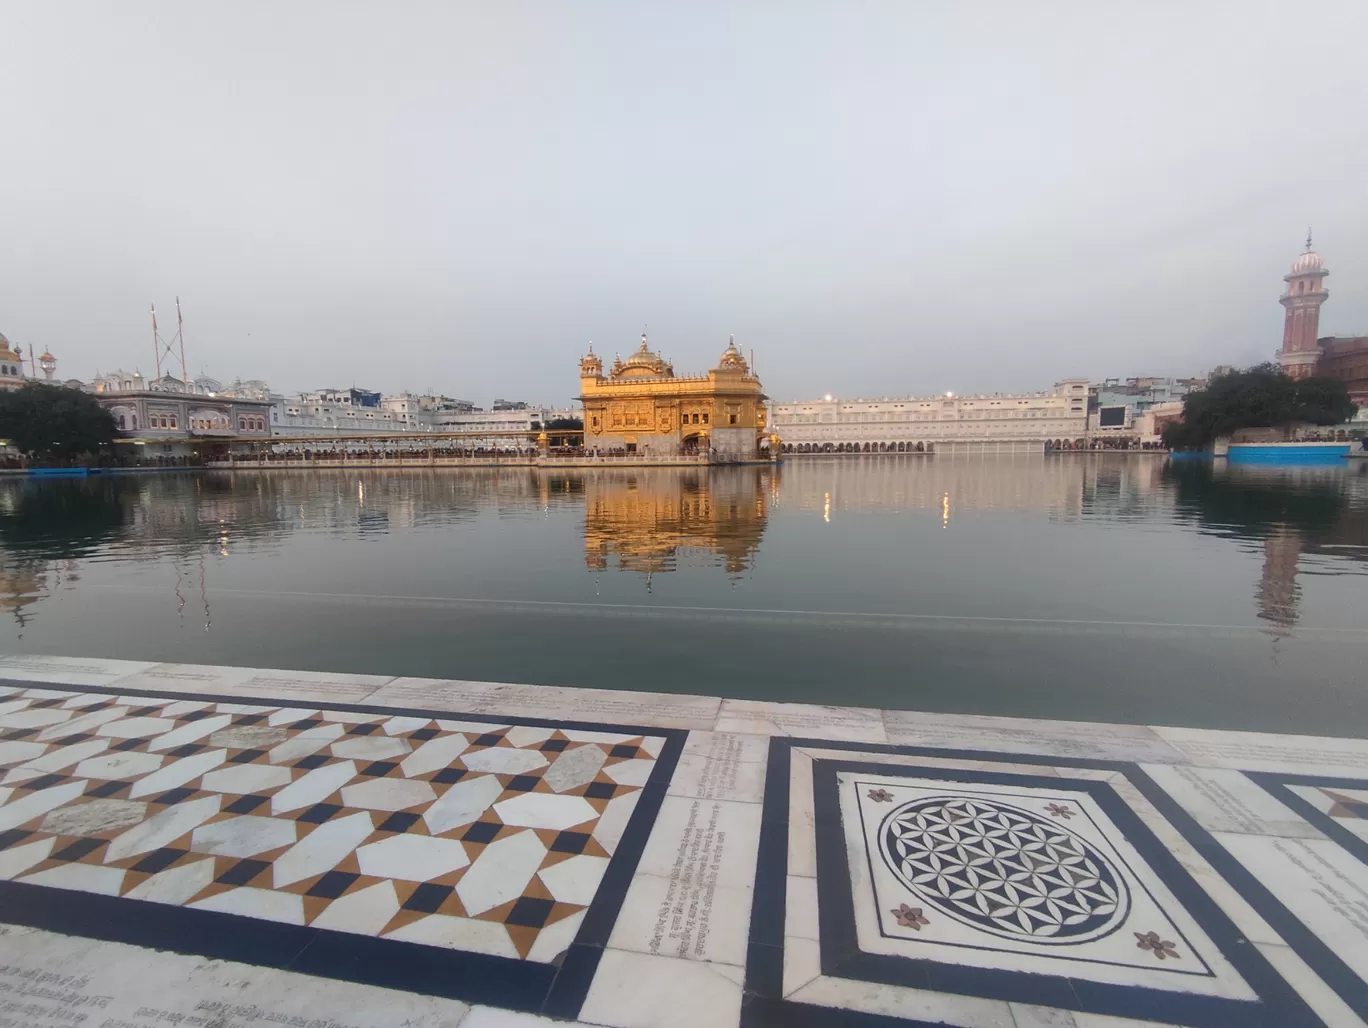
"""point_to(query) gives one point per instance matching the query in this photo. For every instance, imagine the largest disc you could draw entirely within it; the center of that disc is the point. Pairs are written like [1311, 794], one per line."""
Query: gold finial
[1308, 239]
[643, 340]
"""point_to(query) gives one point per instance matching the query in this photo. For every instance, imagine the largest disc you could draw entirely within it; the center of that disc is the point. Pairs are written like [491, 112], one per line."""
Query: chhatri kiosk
[642, 406]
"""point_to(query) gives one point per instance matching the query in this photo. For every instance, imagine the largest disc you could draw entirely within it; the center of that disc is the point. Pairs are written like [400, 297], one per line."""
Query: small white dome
[1309, 261]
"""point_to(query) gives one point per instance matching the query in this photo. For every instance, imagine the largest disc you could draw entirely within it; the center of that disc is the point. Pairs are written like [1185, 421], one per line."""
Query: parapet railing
[481, 460]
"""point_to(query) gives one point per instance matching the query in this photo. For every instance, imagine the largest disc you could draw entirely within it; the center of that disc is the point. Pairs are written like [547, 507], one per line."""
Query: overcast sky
[878, 199]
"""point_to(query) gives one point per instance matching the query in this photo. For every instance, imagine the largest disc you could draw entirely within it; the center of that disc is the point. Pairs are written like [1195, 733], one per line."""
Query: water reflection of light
[826, 507]
[945, 511]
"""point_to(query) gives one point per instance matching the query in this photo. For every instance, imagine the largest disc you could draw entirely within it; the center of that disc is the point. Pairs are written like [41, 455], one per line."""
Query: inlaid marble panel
[978, 889]
[478, 836]
[1020, 877]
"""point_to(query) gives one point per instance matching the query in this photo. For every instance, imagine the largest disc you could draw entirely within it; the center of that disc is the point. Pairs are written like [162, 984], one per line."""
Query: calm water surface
[1092, 587]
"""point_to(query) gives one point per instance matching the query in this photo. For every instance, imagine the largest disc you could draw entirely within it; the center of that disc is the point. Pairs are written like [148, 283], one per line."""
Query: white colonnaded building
[1023, 422]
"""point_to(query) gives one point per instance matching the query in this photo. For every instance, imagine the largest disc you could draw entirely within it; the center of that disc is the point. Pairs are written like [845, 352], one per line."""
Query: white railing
[509, 460]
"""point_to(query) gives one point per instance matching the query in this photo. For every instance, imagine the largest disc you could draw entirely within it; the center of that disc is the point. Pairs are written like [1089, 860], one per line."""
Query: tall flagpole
[156, 340]
[180, 338]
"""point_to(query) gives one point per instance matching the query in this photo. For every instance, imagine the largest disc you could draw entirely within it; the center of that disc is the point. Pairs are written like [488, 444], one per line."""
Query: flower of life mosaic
[1003, 869]
[485, 837]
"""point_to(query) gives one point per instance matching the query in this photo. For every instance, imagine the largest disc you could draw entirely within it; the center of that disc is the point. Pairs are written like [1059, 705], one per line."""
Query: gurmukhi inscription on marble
[682, 923]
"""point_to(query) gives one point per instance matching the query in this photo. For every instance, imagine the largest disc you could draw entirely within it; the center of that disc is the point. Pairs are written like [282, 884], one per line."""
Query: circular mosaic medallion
[1003, 869]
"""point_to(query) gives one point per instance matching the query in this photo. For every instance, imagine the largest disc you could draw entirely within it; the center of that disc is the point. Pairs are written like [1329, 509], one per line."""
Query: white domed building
[171, 419]
[11, 365]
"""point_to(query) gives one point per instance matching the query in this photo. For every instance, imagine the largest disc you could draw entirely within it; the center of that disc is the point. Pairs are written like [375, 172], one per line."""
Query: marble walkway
[222, 847]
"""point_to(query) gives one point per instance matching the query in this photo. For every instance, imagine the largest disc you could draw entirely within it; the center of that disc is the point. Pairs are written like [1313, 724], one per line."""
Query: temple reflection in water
[653, 519]
[187, 535]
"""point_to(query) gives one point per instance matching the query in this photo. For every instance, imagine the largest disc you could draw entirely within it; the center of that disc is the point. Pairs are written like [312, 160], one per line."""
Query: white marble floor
[342, 851]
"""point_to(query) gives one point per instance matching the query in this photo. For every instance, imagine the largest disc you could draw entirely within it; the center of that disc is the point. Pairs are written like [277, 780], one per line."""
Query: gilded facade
[642, 406]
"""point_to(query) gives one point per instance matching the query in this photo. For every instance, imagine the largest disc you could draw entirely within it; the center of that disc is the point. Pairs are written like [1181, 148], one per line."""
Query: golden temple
[642, 406]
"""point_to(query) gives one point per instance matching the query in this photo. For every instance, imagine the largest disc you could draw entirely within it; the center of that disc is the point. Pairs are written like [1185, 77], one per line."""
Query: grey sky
[876, 198]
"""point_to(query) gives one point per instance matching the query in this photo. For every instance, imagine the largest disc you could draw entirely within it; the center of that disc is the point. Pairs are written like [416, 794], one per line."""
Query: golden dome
[642, 357]
[645, 360]
[731, 356]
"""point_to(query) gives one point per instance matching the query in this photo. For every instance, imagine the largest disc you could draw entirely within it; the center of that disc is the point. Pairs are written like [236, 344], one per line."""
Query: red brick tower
[1302, 301]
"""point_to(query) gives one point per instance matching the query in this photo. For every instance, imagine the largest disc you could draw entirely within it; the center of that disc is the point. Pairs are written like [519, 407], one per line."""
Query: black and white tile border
[553, 989]
[1276, 1003]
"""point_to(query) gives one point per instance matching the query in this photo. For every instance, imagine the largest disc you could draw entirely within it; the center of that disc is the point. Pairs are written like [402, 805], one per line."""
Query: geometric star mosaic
[485, 837]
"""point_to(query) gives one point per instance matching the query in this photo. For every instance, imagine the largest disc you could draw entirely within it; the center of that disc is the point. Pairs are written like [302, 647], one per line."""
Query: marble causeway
[238, 848]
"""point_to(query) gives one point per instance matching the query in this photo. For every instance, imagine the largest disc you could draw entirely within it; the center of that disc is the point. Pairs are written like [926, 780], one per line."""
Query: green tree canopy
[54, 423]
[1258, 397]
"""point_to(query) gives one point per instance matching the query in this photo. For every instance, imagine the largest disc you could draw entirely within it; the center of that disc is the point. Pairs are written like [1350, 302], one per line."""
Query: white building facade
[337, 412]
[497, 423]
[1028, 421]
[422, 412]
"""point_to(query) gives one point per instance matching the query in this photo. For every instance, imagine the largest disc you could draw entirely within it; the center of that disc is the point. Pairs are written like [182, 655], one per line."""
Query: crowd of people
[1104, 443]
[352, 453]
[1337, 435]
[280, 454]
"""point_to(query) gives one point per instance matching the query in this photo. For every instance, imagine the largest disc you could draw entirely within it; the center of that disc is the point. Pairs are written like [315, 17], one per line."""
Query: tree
[1258, 397]
[54, 423]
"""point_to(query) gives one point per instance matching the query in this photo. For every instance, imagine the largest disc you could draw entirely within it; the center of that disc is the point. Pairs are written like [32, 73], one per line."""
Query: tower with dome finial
[590, 364]
[1301, 323]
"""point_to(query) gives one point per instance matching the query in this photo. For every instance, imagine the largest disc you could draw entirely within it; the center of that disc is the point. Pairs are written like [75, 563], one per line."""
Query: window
[731, 419]
[705, 419]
